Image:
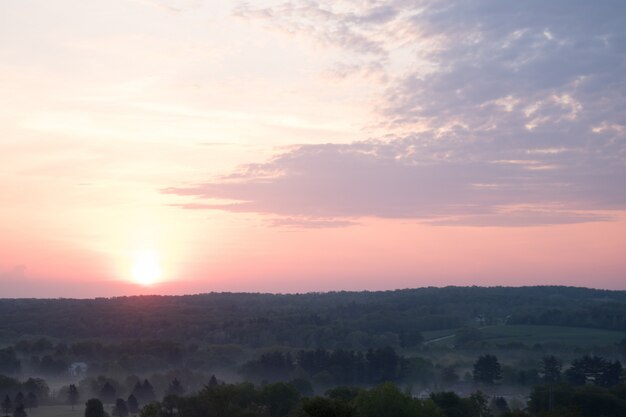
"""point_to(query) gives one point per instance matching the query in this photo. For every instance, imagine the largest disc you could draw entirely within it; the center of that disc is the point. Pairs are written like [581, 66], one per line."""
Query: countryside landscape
[466, 351]
[313, 208]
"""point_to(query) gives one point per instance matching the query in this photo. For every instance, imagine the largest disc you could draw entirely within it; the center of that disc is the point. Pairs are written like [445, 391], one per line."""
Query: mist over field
[312, 208]
[483, 351]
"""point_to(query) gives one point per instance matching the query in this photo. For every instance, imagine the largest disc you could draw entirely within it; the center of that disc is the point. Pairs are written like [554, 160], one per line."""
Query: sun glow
[146, 268]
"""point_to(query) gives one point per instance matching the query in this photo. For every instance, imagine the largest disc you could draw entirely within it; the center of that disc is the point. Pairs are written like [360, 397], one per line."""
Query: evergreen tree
[175, 388]
[551, 369]
[138, 393]
[212, 381]
[487, 369]
[133, 405]
[596, 370]
[148, 392]
[107, 393]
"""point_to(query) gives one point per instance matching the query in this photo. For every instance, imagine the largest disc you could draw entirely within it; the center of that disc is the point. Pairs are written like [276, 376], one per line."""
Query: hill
[310, 320]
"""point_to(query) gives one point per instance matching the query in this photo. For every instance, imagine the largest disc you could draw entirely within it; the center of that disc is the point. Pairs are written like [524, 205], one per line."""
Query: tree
[120, 409]
[303, 386]
[147, 392]
[133, 405]
[169, 405]
[138, 392]
[31, 401]
[499, 405]
[19, 411]
[487, 369]
[19, 399]
[37, 386]
[72, 395]
[107, 393]
[449, 375]
[596, 370]
[386, 400]
[551, 369]
[7, 405]
[9, 364]
[175, 388]
[280, 397]
[212, 381]
[94, 408]
[325, 407]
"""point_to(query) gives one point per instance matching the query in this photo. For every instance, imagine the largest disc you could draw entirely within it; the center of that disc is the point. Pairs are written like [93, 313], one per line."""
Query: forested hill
[314, 319]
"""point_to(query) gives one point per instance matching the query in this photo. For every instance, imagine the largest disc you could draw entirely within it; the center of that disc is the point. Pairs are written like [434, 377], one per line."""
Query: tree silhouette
[7, 405]
[94, 408]
[487, 369]
[19, 399]
[147, 392]
[72, 395]
[120, 409]
[138, 393]
[9, 364]
[551, 369]
[596, 370]
[133, 405]
[31, 401]
[107, 393]
[19, 411]
[175, 388]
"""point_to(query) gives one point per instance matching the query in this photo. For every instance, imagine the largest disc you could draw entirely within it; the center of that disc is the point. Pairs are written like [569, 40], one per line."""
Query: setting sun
[146, 268]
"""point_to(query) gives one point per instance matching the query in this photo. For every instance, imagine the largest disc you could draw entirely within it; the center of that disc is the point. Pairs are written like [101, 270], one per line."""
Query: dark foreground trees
[94, 408]
[582, 401]
[283, 400]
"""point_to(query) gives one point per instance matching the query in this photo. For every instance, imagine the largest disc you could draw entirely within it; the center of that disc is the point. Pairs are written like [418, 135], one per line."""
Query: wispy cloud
[497, 105]
[409, 178]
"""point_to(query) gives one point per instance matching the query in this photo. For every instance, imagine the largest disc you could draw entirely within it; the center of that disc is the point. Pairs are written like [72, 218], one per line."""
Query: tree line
[346, 320]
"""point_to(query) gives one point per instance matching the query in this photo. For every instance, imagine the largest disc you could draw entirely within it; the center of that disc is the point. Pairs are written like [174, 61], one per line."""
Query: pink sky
[186, 146]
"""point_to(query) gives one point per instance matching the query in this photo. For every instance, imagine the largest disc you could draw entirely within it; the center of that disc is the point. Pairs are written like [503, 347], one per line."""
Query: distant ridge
[244, 317]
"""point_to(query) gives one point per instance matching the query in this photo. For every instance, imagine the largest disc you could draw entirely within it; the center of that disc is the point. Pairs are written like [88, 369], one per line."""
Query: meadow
[531, 335]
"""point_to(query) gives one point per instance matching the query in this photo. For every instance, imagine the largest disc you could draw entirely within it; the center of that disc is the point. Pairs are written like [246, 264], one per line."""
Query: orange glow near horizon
[204, 146]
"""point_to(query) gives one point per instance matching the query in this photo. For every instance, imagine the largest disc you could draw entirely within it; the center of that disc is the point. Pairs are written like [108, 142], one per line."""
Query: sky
[190, 146]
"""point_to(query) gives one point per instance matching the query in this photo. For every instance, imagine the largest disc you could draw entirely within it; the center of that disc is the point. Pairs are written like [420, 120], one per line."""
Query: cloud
[402, 178]
[504, 113]
[310, 223]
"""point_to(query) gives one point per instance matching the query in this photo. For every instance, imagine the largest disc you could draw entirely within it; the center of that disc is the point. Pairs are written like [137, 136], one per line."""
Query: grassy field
[59, 411]
[531, 335]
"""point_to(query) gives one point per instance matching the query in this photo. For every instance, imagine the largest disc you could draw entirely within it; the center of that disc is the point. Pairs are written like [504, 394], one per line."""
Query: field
[58, 411]
[531, 335]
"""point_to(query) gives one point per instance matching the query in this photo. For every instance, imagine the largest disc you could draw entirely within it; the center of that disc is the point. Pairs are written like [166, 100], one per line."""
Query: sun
[146, 268]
